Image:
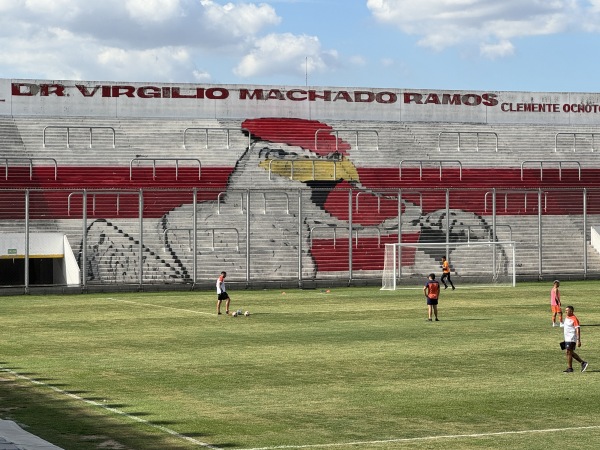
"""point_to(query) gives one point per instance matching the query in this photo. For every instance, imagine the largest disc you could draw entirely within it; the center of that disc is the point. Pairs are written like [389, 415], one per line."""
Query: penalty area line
[110, 409]
[426, 438]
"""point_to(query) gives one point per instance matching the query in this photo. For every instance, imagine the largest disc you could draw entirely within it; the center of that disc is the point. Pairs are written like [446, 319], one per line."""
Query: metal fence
[303, 237]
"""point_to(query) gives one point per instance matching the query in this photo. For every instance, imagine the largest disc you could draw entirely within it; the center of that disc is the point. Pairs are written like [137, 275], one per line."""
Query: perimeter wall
[112, 99]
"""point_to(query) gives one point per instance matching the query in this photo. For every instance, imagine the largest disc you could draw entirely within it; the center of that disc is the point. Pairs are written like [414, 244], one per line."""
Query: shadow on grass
[71, 424]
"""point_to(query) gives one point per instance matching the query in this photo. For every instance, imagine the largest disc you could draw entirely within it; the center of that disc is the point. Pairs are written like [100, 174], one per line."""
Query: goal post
[478, 262]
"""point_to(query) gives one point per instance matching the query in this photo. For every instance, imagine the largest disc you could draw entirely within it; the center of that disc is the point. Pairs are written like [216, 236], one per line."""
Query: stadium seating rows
[322, 197]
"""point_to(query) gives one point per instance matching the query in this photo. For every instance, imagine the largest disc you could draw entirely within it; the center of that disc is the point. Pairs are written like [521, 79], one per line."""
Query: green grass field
[347, 369]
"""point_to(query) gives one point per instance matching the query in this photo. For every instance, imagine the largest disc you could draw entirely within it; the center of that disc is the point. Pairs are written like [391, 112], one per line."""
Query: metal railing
[355, 232]
[440, 163]
[206, 132]
[105, 192]
[68, 128]
[575, 134]
[212, 230]
[176, 160]
[337, 132]
[380, 196]
[312, 161]
[490, 231]
[30, 161]
[525, 193]
[459, 133]
[560, 164]
[229, 192]
[554, 240]
[264, 196]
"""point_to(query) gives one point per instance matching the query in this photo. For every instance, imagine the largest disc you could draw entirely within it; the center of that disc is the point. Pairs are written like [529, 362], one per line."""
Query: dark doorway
[12, 271]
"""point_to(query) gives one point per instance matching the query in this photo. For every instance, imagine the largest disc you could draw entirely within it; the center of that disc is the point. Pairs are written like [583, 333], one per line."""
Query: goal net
[475, 262]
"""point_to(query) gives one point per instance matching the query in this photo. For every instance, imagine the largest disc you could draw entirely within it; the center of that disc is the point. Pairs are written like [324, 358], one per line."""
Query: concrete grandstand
[162, 184]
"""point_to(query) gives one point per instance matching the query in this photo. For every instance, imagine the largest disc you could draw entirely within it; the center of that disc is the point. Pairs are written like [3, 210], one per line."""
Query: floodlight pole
[300, 238]
[540, 270]
[141, 238]
[195, 237]
[350, 227]
[514, 258]
[247, 234]
[26, 241]
[447, 220]
[585, 255]
[84, 241]
[494, 232]
[399, 240]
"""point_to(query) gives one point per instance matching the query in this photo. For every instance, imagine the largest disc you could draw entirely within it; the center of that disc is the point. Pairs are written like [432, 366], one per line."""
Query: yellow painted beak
[311, 169]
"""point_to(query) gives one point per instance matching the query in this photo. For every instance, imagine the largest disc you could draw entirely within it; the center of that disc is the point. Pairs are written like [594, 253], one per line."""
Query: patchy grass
[349, 368]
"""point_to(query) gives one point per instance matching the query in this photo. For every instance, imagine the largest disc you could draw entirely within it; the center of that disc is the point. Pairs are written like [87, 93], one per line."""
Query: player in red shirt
[432, 292]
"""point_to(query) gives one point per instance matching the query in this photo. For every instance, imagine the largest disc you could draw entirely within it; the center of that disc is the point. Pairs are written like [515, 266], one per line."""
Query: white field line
[161, 306]
[282, 447]
[426, 438]
[328, 311]
[112, 410]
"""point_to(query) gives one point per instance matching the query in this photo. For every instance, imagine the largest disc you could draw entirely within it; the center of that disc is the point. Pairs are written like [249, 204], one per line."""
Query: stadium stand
[174, 200]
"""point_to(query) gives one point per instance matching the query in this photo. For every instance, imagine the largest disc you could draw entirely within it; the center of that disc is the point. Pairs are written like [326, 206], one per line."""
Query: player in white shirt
[572, 331]
[222, 294]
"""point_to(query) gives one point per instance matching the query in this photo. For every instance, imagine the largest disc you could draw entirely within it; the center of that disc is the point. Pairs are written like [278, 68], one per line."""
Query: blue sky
[520, 45]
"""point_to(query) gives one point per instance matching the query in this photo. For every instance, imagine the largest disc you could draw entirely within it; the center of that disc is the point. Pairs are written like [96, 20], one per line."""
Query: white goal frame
[392, 269]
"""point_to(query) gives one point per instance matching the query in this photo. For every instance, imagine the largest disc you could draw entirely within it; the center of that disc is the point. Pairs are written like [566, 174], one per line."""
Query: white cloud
[201, 76]
[153, 10]
[125, 39]
[358, 60]
[286, 54]
[499, 50]
[239, 19]
[163, 63]
[65, 8]
[490, 24]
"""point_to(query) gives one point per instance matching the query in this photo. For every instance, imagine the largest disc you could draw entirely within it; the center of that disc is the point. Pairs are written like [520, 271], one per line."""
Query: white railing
[459, 133]
[560, 164]
[176, 160]
[68, 128]
[30, 161]
[439, 163]
[206, 132]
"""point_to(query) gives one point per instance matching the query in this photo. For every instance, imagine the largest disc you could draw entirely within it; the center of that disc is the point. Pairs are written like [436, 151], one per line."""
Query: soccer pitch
[349, 368]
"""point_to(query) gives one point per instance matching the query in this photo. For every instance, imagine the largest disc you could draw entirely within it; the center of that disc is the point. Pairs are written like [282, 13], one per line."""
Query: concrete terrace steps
[375, 150]
[516, 143]
[11, 143]
[163, 138]
[562, 245]
[133, 138]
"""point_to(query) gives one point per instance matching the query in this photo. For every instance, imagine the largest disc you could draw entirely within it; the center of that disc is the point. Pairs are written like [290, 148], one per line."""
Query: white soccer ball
[247, 313]
[234, 314]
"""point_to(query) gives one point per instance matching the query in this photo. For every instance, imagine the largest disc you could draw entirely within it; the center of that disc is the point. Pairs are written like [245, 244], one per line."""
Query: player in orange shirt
[446, 273]
[555, 303]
